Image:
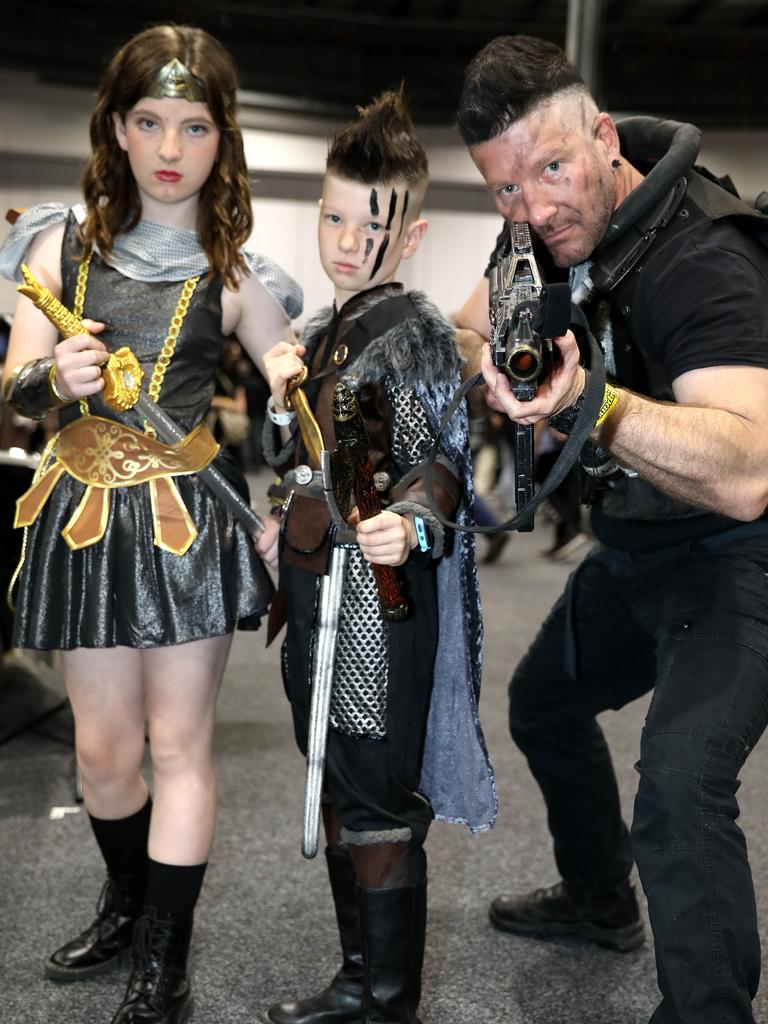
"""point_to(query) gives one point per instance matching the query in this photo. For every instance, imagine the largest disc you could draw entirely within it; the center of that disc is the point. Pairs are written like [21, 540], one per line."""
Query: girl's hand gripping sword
[122, 390]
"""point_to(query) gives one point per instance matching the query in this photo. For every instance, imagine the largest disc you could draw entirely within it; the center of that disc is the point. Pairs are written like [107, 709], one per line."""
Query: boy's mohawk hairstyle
[381, 146]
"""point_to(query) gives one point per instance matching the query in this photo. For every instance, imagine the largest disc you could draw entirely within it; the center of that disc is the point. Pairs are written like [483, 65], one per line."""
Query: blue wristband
[422, 534]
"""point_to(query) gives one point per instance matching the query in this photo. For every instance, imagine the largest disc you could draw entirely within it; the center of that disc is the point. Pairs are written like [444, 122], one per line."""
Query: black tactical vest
[694, 200]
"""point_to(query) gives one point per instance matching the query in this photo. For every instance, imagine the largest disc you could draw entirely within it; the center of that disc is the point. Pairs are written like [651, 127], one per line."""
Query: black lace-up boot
[342, 1000]
[158, 990]
[105, 941]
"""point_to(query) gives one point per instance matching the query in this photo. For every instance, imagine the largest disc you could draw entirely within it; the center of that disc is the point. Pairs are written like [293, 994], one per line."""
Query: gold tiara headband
[176, 82]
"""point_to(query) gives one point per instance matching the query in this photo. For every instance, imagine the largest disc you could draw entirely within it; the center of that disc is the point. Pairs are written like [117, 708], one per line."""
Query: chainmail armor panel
[359, 697]
[412, 436]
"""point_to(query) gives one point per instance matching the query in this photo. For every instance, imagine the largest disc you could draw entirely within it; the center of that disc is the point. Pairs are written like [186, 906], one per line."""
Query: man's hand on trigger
[559, 391]
[386, 539]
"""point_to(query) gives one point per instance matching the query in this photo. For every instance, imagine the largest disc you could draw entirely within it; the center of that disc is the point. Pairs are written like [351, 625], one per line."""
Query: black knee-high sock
[174, 888]
[123, 842]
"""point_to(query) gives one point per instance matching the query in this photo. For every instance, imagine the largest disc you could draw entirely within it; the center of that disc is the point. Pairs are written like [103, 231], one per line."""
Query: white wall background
[451, 258]
[44, 141]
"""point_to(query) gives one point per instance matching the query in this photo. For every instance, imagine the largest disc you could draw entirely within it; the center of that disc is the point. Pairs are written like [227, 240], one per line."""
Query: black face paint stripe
[379, 257]
[392, 208]
[405, 210]
[374, 203]
[368, 249]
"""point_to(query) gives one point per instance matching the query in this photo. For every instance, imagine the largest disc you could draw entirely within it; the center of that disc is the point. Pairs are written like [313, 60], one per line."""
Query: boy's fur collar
[419, 350]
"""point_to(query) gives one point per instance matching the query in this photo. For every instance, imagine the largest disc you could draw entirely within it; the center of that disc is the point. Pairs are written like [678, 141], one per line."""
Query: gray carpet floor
[265, 924]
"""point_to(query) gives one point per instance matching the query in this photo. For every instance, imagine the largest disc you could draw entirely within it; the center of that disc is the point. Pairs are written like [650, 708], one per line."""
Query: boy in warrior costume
[404, 743]
[155, 573]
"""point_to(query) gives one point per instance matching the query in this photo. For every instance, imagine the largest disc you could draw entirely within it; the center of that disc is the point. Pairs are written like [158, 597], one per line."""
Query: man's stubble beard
[595, 228]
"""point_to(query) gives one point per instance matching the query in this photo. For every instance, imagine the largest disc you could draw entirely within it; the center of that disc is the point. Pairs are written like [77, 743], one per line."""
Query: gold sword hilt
[296, 401]
[122, 371]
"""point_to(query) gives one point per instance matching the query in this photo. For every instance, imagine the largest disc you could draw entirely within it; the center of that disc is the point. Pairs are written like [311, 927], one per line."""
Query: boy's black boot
[158, 990]
[610, 918]
[105, 941]
[393, 926]
[341, 1002]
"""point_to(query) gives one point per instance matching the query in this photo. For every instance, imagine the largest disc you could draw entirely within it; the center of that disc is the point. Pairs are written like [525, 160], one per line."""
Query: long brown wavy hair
[224, 217]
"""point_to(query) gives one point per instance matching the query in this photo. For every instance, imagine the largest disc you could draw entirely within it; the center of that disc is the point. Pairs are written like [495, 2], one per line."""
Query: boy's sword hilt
[351, 459]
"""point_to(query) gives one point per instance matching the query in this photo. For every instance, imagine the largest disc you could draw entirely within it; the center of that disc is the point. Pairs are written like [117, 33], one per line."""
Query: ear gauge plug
[615, 164]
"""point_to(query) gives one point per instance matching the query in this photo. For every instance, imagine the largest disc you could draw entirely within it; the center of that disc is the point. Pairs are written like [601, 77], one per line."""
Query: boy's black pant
[692, 623]
[371, 783]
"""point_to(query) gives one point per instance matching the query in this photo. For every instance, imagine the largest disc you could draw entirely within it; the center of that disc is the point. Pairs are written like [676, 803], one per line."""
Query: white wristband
[280, 419]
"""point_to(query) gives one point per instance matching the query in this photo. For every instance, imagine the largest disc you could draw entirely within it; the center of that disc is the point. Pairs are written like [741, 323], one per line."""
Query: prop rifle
[525, 316]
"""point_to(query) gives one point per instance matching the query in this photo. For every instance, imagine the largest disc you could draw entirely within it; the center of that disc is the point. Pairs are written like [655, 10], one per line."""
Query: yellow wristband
[608, 404]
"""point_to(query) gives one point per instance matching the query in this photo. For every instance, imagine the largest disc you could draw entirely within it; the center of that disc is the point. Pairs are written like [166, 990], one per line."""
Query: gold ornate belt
[104, 454]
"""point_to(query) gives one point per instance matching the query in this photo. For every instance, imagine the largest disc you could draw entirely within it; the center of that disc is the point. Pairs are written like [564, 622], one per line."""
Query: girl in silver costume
[144, 595]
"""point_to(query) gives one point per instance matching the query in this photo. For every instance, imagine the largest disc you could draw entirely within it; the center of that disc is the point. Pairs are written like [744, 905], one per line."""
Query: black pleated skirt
[126, 591]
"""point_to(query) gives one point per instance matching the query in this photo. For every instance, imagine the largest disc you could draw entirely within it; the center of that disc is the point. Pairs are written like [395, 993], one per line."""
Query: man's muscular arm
[710, 450]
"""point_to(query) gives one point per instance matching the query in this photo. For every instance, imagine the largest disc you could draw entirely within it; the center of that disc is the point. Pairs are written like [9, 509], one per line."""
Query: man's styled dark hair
[506, 79]
[380, 146]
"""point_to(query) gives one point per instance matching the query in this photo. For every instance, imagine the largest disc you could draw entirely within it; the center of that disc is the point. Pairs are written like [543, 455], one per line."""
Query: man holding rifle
[670, 270]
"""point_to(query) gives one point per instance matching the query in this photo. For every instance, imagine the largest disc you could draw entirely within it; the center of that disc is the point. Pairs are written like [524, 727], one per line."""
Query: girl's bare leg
[106, 691]
[182, 684]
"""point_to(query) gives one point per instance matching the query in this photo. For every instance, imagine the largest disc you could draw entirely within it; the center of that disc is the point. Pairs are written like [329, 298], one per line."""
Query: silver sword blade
[331, 587]
[170, 432]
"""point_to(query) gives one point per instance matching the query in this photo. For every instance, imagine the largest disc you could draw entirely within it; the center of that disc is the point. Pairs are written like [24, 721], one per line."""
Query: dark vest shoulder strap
[377, 321]
[372, 324]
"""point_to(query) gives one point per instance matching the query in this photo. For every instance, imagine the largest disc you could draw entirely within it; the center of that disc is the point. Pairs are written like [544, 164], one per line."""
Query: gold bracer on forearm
[122, 372]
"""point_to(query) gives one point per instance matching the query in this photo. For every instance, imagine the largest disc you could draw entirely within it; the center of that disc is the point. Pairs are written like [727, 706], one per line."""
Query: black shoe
[342, 1001]
[107, 939]
[158, 990]
[609, 919]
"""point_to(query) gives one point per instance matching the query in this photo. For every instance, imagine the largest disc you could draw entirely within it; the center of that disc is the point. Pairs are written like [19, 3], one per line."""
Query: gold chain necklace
[169, 345]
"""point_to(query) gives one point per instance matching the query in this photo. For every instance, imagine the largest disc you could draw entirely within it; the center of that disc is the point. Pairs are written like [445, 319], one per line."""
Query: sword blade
[322, 683]
[170, 432]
